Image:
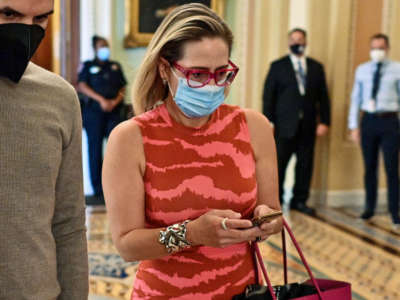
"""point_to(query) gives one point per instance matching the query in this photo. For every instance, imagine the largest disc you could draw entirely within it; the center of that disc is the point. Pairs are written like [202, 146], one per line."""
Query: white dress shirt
[388, 97]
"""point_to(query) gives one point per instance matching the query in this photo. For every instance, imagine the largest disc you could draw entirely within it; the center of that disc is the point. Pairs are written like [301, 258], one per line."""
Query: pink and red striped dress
[190, 171]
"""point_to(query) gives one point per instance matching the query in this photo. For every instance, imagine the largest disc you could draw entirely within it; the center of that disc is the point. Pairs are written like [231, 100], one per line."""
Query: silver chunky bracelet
[174, 237]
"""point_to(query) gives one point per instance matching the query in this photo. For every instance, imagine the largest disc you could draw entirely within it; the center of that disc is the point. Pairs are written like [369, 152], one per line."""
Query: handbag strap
[255, 249]
[264, 271]
[285, 271]
[303, 259]
[255, 264]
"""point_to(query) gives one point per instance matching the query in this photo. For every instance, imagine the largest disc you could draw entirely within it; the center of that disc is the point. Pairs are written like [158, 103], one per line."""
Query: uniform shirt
[105, 78]
[388, 97]
[43, 250]
[295, 62]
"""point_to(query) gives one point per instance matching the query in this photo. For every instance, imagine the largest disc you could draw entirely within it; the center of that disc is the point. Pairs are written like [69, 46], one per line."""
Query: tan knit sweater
[43, 251]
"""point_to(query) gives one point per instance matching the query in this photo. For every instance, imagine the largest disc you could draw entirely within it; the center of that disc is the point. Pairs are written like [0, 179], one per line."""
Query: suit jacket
[283, 104]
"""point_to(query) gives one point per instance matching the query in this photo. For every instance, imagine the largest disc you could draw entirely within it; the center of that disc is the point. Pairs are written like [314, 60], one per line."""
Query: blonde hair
[185, 23]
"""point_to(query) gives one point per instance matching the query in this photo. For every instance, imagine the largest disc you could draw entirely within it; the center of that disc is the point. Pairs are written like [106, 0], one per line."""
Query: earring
[164, 81]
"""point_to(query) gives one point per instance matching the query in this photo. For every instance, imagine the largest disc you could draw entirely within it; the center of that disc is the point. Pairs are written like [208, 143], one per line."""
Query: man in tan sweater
[43, 251]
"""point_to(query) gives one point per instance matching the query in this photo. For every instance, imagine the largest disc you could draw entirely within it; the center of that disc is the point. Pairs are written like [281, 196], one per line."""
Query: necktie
[302, 75]
[376, 81]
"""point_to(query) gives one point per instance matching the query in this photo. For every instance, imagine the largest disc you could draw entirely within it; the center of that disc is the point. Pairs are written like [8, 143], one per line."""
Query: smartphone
[257, 221]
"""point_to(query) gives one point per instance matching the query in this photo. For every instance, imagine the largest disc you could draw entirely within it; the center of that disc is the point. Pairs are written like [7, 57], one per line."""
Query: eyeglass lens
[200, 78]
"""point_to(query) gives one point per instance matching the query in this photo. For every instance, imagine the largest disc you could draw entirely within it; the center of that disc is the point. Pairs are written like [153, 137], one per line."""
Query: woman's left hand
[267, 228]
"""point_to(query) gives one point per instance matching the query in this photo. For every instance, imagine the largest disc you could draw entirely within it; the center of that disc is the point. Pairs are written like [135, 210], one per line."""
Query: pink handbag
[326, 289]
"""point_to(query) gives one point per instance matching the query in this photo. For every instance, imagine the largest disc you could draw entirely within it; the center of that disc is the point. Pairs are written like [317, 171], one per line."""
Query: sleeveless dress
[190, 171]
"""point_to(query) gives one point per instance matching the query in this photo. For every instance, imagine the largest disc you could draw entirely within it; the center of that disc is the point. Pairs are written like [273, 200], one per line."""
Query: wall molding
[356, 197]
[337, 198]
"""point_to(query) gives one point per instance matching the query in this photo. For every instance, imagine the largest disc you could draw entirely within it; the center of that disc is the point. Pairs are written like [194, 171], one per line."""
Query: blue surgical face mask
[198, 102]
[103, 53]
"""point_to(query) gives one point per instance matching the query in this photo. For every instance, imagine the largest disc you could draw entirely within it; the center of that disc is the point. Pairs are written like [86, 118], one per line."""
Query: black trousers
[302, 145]
[98, 125]
[381, 132]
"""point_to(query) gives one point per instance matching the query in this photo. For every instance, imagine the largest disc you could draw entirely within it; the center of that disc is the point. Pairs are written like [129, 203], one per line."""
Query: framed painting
[144, 17]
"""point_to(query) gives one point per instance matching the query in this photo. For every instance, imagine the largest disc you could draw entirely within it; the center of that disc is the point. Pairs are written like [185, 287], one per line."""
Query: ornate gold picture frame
[144, 16]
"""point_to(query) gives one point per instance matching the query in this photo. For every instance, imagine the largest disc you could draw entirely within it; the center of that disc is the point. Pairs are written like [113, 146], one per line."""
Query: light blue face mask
[198, 102]
[103, 53]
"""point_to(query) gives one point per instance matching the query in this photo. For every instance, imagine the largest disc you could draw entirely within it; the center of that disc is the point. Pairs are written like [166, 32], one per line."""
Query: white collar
[297, 58]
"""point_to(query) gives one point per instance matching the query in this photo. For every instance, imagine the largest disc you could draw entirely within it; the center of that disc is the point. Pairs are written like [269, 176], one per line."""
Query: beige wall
[392, 26]
[258, 27]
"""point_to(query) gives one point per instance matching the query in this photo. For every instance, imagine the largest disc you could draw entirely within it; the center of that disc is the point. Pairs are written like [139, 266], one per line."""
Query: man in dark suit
[296, 101]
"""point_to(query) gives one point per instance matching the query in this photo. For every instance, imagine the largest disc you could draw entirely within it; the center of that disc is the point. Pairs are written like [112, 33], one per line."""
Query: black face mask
[18, 43]
[297, 49]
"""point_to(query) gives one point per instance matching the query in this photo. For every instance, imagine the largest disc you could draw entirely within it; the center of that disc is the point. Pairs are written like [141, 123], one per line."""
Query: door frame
[70, 40]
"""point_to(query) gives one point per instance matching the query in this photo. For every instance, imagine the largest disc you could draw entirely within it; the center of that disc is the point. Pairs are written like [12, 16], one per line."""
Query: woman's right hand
[207, 229]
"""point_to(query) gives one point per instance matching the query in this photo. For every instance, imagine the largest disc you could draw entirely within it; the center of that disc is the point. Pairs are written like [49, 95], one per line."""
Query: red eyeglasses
[197, 78]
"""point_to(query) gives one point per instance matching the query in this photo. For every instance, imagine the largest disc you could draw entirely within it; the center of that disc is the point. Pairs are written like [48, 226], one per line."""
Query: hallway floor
[336, 244]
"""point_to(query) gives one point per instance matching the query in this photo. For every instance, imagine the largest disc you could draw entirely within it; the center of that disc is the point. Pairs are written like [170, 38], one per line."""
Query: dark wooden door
[44, 54]
[70, 40]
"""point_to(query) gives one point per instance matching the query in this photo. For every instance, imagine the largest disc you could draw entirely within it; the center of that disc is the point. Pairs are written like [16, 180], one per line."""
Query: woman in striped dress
[183, 178]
